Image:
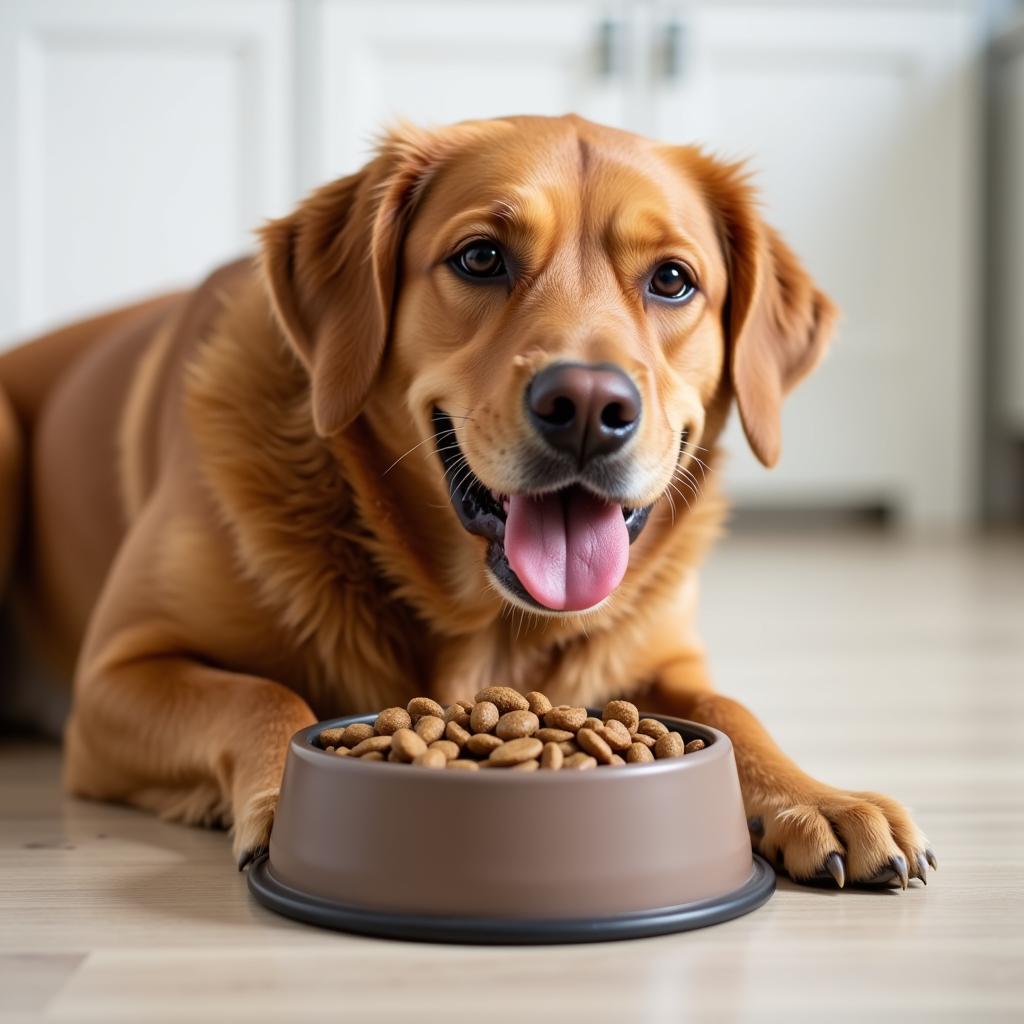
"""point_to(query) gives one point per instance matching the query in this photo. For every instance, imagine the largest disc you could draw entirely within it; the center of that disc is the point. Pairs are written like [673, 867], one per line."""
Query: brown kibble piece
[355, 734]
[693, 746]
[669, 745]
[372, 745]
[464, 764]
[617, 759]
[551, 757]
[466, 705]
[406, 745]
[514, 724]
[390, 720]
[593, 723]
[568, 747]
[546, 735]
[594, 745]
[624, 712]
[615, 734]
[647, 741]
[447, 747]
[455, 732]
[373, 755]
[526, 766]
[566, 717]
[514, 751]
[482, 743]
[458, 714]
[431, 758]
[579, 761]
[504, 698]
[332, 738]
[429, 728]
[539, 704]
[638, 753]
[651, 727]
[484, 716]
[419, 707]
[342, 752]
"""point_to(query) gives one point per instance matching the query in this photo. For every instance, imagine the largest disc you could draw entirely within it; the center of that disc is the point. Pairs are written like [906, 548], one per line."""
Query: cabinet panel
[146, 140]
[859, 127]
[442, 62]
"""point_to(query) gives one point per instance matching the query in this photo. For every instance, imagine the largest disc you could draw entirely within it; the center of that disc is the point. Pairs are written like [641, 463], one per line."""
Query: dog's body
[245, 501]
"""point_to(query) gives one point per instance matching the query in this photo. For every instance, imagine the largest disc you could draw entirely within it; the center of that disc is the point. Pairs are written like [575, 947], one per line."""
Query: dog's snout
[582, 409]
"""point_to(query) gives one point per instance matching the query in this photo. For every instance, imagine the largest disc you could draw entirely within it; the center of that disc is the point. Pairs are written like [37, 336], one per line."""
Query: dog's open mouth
[563, 550]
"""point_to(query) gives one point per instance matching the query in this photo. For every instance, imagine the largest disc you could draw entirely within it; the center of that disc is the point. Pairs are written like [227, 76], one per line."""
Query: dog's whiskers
[687, 479]
[671, 505]
[437, 434]
[704, 468]
[466, 475]
[681, 495]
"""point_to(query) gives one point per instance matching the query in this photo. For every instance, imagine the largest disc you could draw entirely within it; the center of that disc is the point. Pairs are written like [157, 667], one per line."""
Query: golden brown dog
[456, 427]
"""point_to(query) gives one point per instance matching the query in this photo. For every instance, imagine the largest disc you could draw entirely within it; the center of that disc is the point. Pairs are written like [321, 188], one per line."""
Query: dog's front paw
[862, 838]
[252, 827]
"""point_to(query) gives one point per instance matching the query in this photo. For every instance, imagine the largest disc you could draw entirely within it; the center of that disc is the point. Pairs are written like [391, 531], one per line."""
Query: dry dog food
[506, 729]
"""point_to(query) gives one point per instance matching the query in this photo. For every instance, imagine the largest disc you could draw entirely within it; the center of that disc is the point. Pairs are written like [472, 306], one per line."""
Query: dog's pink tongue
[570, 550]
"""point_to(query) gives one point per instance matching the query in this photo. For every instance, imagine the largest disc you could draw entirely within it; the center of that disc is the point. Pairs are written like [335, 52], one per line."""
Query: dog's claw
[932, 859]
[899, 865]
[922, 867]
[836, 867]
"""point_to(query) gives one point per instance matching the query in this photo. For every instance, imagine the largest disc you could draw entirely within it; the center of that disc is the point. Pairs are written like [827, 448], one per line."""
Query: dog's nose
[584, 410]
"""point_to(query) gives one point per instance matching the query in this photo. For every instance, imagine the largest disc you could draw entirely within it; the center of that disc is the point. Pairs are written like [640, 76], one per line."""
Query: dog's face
[553, 307]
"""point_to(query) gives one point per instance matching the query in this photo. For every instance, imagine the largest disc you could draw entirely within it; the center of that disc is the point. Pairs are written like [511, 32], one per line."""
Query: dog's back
[53, 562]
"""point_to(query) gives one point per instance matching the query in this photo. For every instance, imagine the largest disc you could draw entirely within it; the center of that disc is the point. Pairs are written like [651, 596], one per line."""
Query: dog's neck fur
[352, 569]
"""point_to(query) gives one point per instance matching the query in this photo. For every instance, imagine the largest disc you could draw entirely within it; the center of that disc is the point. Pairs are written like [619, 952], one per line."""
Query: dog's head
[554, 308]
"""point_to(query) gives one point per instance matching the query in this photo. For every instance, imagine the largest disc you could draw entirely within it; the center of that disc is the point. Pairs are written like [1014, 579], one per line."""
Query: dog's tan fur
[239, 524]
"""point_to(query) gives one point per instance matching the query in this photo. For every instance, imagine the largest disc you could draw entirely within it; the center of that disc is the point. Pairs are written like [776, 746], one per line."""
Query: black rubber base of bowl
[508, 931]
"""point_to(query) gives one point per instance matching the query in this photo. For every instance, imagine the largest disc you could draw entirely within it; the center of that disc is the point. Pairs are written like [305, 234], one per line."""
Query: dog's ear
[331, 268]
[778, 323]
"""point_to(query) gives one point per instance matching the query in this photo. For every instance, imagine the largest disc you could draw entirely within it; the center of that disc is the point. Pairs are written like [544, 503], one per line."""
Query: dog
[454, 426]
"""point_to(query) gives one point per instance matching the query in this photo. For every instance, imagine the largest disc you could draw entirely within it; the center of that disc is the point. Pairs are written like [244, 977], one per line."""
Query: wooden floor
[880, 664]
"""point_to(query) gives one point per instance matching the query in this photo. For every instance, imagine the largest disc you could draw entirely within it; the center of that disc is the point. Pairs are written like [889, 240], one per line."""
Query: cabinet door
[860, 127]
[375, 63]
[141, 143]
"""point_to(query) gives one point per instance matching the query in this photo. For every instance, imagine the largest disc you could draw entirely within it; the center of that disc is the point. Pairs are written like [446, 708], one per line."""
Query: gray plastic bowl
[500, 856]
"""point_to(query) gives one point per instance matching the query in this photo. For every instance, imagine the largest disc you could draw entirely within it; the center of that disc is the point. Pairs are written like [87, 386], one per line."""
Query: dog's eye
[674, 281]
[479, 259]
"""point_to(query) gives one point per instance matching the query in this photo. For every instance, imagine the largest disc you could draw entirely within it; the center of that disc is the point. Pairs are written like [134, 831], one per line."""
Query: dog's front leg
[191, 742]
[806, 827]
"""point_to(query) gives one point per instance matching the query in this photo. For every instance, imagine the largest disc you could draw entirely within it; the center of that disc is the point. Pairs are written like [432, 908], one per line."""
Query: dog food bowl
[511, 857]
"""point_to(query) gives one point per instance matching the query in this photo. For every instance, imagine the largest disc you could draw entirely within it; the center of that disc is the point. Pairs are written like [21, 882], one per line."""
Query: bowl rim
[718, 746]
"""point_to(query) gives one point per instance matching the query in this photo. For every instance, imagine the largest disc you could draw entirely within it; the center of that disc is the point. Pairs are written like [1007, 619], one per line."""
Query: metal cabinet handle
[673, 50]
[609, 48]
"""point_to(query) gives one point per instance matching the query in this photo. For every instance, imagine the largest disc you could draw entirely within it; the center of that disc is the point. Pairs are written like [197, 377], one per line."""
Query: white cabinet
[374, 63]
[140, 142]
